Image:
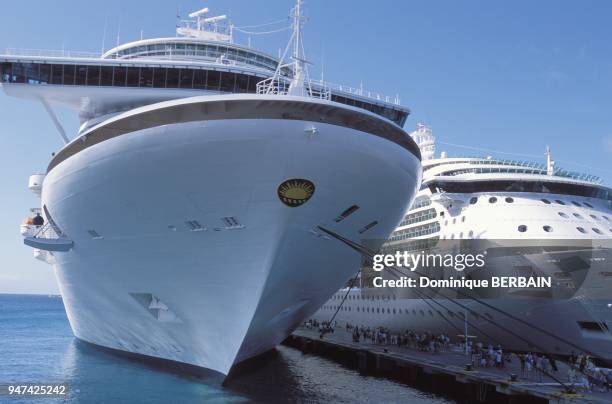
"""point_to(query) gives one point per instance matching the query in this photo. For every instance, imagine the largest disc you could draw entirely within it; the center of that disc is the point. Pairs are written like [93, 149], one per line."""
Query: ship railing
[45, 231]
[321, 89]
[361, 92]
[281, 85]
[51, 53]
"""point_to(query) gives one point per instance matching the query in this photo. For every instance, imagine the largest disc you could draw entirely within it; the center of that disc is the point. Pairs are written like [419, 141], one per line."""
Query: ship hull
[157, 269]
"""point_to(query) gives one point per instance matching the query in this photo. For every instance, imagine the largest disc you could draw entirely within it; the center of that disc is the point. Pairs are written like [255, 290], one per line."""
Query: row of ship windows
[548, 229]
[361, 297]
[388, 310]
[123, 76]
[509, 199]
[543, 187]
[419, 217]
[560, 202]
[416, 231]
[420, 202]
[199, 50]
[157, 77]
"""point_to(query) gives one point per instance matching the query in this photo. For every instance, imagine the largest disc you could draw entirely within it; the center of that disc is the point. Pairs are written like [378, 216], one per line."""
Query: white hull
[230, 293]
[558, 317]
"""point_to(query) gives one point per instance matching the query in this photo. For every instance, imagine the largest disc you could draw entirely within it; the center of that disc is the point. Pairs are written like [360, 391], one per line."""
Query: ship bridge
[202, 59]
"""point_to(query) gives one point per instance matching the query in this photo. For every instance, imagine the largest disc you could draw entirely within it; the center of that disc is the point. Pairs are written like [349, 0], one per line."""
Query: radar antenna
[216, 28]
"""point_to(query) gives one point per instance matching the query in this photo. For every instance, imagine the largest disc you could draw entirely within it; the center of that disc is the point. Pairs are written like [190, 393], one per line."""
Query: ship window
[158, 77]
[559, 202]
[146, 77]
[547, 229]
[563, 215]
[69, 74]
[347, 212]
[522, 228]
[368, 227]
[492, 199]
[186, 78]
[93, 76]
[471, 233]
[596, 230]
[81, 75]
[133, 76]
[462, 219]
[454, 220]
[577, 215]
[213, 80]
[588, 204]
[546, 201]
[461, 235]
[199, 79]
[593, 326]
[106, 76]
[172, 78]
[120, 76]
[509, 199]
[594, 217]
[473, 200]
[576, 203]
[242, 83]
[227, 81]
[57, 71]
[581, 230]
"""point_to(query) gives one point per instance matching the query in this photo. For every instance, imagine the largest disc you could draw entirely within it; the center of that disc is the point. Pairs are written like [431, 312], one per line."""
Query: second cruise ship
[183, 219]
[540, 221]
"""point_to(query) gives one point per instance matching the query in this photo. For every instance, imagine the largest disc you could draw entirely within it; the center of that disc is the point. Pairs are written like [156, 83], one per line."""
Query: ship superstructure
[547, 221]
[183, 218]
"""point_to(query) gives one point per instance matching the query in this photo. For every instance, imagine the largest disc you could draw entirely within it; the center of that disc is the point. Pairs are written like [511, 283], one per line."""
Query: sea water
[37, 347]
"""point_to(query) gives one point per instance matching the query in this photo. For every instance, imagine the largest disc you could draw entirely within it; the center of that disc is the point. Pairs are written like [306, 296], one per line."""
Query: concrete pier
[443, 373]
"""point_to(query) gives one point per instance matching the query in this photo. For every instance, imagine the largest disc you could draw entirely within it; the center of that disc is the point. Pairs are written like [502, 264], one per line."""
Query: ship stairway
[46, 238]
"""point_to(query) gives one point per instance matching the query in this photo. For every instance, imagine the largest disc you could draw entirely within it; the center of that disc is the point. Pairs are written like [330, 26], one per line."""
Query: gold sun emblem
[295, 192]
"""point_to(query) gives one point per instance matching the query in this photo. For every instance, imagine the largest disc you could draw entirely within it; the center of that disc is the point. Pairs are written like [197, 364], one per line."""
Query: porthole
[576, 203]
[461, 235]
[577, 215]
[588, 204]
[471, 233]
[546, 201]
[594, 217]
[559, 202]
[596, 230]
[563, 215]
[452, 237]
[547, 229]
[522, 228]
[462, 219]
[492, 199]
[473, 200]
[509, 199]
[581, 230]
[454, 220]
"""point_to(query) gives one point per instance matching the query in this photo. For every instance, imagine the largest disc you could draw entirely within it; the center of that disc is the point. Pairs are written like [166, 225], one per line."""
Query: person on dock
[523, 360]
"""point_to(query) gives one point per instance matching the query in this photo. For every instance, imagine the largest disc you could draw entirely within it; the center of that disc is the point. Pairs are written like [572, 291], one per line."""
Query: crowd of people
[582, 373]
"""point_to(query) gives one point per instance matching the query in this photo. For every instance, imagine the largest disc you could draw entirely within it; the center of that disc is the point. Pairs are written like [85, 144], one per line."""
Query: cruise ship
[183, 219]
[545, 221]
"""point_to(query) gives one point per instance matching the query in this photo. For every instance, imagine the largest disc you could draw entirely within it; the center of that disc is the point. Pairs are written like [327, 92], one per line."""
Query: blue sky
[509, 76]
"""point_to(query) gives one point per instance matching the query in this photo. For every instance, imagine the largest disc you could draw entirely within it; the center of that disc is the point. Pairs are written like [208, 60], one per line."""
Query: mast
[299, 61]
